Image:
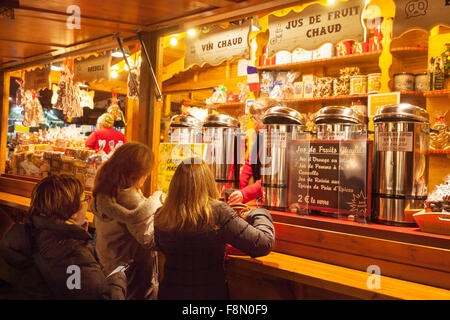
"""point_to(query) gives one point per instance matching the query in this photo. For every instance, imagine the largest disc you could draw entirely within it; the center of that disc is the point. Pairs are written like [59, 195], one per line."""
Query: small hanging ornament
[114, 109]
[134, 77]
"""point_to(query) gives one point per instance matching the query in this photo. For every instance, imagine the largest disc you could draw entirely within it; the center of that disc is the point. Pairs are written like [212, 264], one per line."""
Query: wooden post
[149, 125]
[4, 111]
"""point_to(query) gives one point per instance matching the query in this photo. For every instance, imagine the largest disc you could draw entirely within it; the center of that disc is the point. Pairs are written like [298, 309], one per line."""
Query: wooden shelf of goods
[230, 105]
[439, 152]
[369, 57]
[437, 93]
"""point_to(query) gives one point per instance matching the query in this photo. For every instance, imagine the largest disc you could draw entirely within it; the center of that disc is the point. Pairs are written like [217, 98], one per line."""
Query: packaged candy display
[436, 71]
[344, 48]
[219, 95]
[266, 83]
[232, 96]
[302, 55]
[309, 86]
[341, 85]
[358, 84]
[439, 199]
[283, 57]
[298, 90]
[373, 82]
[57, 151]
[244, 91]
[420, 81]
[360, 47]
[277, 91]
[440, 140]
[324, 52]
[323, 87]
[288, 89]
[359, 107]
[404, 81]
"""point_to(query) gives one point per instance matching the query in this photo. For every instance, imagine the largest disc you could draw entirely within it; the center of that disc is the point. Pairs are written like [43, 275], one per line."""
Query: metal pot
[281, 125]
[224, 147]
[185, 129]
[401, 162]
[338, 123]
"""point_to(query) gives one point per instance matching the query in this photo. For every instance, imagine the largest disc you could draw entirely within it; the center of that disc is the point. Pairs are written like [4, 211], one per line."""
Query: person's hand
[159, 196]
[236, 197]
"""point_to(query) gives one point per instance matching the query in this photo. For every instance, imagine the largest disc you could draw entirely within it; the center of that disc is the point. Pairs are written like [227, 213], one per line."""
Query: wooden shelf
[408, 52]
[369, 57]
[439, 151]
[226, 105]
[437, 93]
[321, 99]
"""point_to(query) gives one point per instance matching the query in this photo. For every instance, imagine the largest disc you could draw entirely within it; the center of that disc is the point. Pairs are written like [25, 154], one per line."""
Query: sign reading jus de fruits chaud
[217, 45]
[315, 25]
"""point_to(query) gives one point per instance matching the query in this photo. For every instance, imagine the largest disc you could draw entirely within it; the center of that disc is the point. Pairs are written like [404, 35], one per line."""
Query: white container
[358, 84]
[301, 55]
[324, 52]
[283, 57]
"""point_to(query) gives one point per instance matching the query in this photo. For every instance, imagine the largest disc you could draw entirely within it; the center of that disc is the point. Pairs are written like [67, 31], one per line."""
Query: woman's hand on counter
[236, 197]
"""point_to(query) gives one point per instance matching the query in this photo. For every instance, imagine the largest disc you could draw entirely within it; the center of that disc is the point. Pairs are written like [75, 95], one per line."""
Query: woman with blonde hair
[192, 229]
[105, 132]
[124, 218]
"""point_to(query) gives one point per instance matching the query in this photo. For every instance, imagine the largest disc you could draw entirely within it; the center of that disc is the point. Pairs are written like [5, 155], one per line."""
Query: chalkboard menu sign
[331, 176]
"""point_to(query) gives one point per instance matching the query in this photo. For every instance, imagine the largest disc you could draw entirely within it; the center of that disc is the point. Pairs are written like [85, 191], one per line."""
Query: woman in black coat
[50, 256]
[192, 230]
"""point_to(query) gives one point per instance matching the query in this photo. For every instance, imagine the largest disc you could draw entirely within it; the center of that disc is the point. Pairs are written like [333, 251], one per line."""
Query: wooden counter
[23, 203]
[317, 257]
[334, 279]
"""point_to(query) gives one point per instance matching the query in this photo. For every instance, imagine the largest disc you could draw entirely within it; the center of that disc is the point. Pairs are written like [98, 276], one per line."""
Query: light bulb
[192, 32]
[173, 41]
[330, 1]
[114, 74]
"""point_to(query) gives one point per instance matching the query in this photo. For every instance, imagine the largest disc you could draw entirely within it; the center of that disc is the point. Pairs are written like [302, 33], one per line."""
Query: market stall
[330, 150]
[360, 179]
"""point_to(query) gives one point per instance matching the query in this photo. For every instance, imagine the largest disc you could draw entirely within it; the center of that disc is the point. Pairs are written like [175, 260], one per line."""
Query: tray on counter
[433, 222]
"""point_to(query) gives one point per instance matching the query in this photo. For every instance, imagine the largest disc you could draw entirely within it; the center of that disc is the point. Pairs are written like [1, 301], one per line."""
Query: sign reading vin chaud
[315, 25]
[218, 45]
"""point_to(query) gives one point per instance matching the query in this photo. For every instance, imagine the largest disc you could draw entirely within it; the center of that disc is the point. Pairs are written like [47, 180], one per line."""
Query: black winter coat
[40, 255]
[194, 266]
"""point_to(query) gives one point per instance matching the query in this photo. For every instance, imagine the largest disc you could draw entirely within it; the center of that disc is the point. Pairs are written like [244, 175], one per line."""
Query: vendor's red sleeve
[252, 192]
[91, 140]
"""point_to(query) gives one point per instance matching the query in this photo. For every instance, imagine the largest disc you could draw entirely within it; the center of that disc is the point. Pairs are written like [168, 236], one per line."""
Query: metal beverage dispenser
[281, 125]
[401, 162]
[224, 138]
[185, 129]
[338, 123]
